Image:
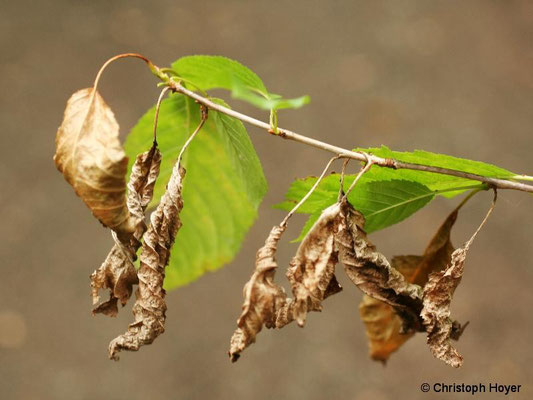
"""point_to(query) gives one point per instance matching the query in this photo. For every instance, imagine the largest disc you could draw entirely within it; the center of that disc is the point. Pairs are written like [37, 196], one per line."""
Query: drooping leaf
[312, 269]
[383, 325]
[217, 72]
[311, 275]
[223, 188]
[92, 160]
[437, 182]
[372, 273]
[437, 297]
[150, 307]
[438, 294]
[383, 203]
[262, 297]
[117, 272]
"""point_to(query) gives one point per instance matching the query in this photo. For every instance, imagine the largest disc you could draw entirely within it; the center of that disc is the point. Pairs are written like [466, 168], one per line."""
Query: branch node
[390, 163]
[279, 133]
[205, 112]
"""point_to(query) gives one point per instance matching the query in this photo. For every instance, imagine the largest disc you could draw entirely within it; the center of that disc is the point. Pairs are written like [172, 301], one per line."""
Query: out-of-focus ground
[446, 76]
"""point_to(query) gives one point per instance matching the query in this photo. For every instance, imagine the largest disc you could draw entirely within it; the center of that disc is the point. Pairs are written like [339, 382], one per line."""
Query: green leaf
[383, 203]
[434, 181]
[442, 161]
[386, 203]
[223, 187]
[267, 101]
[217, 72]
[386, 196]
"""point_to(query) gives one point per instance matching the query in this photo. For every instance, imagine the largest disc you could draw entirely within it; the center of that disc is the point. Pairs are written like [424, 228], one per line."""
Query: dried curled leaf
[150, 307]
[438, 294]
[371, 272]
[117, 272]
[91, 158]
[311, 271]
[383, 325]
[311, 276]
[262, 297]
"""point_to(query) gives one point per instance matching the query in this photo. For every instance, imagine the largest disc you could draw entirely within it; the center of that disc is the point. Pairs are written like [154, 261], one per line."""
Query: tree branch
[382, 162]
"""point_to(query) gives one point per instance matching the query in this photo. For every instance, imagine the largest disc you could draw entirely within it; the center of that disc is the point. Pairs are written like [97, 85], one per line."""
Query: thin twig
[204, 116]
[157, 108]
[303, 200]
[117, 57]
[363, 170]
[343, 170]
[469, 242]
[382, 162]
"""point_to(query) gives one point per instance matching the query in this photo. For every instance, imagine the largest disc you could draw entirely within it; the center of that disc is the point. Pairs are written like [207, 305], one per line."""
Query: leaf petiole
[274, 122]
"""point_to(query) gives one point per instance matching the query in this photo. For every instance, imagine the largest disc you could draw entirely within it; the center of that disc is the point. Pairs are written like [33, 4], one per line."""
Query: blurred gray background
[445, 76]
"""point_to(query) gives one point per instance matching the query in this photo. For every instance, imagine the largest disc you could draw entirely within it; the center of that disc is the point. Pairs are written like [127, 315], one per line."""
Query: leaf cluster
[204, 195]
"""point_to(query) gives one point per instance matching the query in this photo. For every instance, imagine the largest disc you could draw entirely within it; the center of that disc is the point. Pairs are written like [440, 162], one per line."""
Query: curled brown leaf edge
[412, 305]
[311, 274]
[437, 297]
[92, 160]
[150, 307]
[383, 325]
[117, 272]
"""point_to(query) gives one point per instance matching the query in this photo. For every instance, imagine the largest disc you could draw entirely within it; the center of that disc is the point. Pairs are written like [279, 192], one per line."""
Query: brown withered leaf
[383, 325]
[438, 294]
[371, 272]
[291, 309]
[150, 307]
[311, 271]
[117, 272]
[262, 297]
[92, 160]
[311, 275]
